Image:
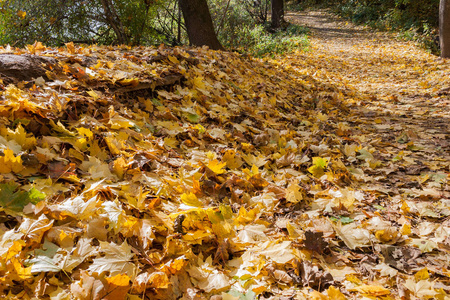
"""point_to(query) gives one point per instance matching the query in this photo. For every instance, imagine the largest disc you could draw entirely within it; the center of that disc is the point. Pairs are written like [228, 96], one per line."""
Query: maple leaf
[16, 200]
[191, 200]
[231, 159]
[319, 164]
[280, 253]
[293, 193]
[34, 230]
[10, 163]
[371, 290]
[253, 234]
[116, 260]
[314, 241]
[215, 282]
[353, 236]
[87, 287]
[422, 289]
[19, 136]
[117, 287]
[216, 166]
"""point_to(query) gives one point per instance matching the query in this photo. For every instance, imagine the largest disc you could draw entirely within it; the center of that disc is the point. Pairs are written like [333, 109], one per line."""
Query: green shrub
[244, 28]
[284, 41]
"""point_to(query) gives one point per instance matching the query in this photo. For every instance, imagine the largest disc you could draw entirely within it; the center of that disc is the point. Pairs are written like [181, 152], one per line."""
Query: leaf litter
[176, 173]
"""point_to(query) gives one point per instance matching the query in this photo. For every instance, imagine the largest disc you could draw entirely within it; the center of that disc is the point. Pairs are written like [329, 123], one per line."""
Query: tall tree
[113, 19]
[199, 25]
[277, 13]
[444, 27]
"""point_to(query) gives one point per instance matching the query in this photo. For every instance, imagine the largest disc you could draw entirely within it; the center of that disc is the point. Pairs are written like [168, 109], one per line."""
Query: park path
[405, 95]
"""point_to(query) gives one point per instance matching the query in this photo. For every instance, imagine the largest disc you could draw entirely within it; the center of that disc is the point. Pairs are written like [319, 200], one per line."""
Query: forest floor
[185, 173]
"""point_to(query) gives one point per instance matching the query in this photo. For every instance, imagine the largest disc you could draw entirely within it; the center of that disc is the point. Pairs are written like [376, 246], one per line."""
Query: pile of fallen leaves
[168, 173]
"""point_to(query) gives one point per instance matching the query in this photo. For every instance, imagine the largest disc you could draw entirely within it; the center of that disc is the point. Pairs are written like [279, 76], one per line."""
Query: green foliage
[244, 27]
[280, 42]
[15, 200]
[258, 41]
[240, 25]
[55, 22]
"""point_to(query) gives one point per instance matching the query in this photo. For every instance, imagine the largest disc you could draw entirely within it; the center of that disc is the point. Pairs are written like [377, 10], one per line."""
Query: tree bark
[24, 67]
[277, 13]
[444, 27]
[112, 18]
[199, 25]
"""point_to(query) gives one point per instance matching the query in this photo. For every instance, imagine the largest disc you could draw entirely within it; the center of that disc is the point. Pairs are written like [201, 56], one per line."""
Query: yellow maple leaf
[406, 229]
[10, 163]
[335, 294]
[173, 59]
[118, 286]
[119, 167]
[119, 280]
[386, 235]
[114, 145]
[20, 136]
[319, 164]
[232, 161]
[175, 265]
[292, 231]
[216, 166]
[20, 270]
[293, 193]
[191, 200]
[422, 275]
[371, 290]
[198, 82]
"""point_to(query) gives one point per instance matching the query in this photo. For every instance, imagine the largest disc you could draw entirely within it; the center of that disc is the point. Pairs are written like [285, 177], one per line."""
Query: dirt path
[404, 111]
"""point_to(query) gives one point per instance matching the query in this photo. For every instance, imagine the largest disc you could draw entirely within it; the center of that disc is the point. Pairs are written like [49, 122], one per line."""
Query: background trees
[239, 24]
[56, 22]
[444, 27]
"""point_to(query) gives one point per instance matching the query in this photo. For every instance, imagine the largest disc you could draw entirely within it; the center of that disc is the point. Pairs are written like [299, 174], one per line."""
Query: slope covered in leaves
[185, 173]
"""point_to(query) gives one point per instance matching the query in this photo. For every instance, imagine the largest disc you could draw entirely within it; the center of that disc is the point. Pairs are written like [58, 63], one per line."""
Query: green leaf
[364, 154]
[343, 220]
[193, 118]
[17, 200]
[320, 162]
[248, 296]
[379, 207]
[346, 220]
[156, 102]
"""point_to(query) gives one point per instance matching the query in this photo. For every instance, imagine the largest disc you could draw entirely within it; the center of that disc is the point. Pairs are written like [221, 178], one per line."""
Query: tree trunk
[14, 68]
[113, 19]
[277, 13]
[444, 27]
[199, 24]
